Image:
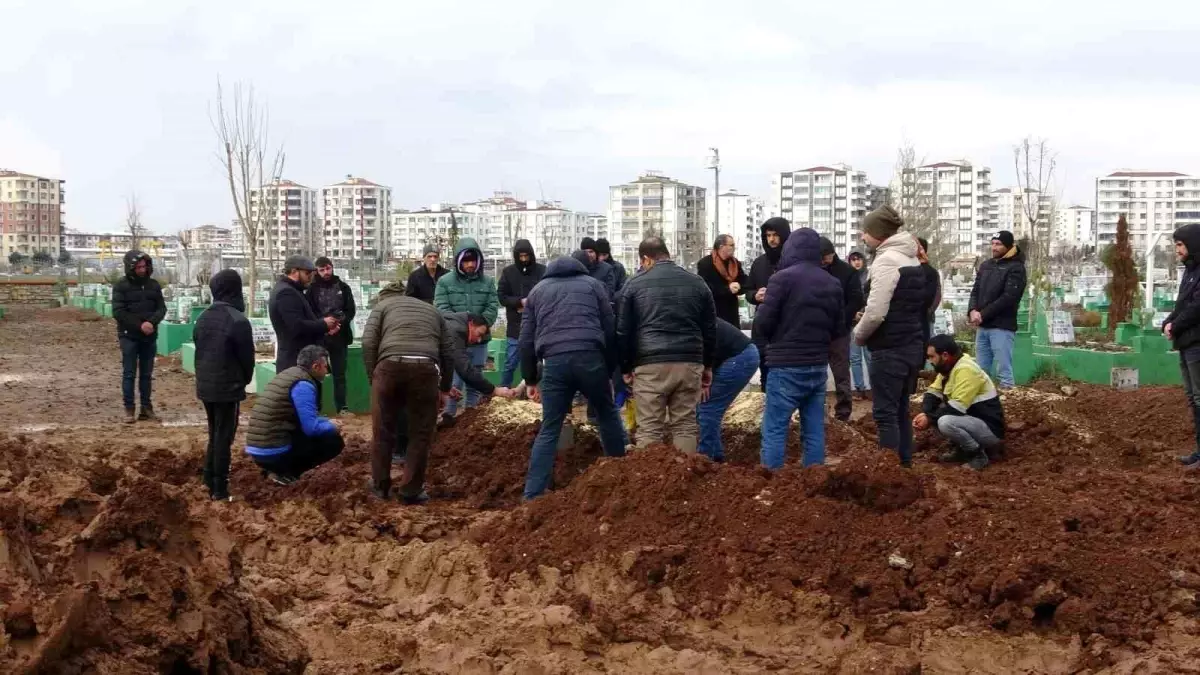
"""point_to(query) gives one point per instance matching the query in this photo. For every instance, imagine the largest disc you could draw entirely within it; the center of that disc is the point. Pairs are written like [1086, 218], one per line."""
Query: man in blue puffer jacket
[568, 325]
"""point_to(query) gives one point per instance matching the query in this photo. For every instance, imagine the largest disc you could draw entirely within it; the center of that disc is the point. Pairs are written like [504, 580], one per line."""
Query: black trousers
[222, 427]
[894, 379]
[839, 363]
[337, 349]
[306, 454]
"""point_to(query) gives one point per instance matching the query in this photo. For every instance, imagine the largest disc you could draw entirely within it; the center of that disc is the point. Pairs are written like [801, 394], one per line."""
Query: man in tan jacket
[892, 326]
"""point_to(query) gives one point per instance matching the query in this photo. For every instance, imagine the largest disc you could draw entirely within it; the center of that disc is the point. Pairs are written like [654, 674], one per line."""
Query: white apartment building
[355, 220]
[597, 226]
[1074, 227]
[741, 216]
[1154, 203]
[954, 199]
[1009, 209]
[287, 215]
[655, 204]
[495, 224]
[829, 199]
[113, 245]
[31, 214]
[208, 238]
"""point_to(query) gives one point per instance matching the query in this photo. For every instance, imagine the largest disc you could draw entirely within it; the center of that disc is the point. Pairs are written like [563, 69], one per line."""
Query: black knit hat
[588, 244]
[1004, 237]
[603, 247]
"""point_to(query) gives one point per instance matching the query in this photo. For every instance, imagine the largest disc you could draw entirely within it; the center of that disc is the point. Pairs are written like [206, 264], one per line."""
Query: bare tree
[1034, 163]
[243, 140]
[133, 222]
[917, 204]
[552, 240]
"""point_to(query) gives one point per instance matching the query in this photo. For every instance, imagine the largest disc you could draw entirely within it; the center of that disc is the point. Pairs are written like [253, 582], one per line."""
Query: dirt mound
[136, 582]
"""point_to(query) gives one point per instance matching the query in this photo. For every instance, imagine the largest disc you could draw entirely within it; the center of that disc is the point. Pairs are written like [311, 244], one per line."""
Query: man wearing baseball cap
[296, 324]
[999, 285]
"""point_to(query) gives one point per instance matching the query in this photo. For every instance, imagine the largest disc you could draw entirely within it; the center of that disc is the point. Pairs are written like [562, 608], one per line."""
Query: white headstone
[1062, 330]
[1125, 379]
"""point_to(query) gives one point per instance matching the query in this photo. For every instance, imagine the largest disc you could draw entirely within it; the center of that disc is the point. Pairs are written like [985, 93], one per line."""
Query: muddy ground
[1077, 554]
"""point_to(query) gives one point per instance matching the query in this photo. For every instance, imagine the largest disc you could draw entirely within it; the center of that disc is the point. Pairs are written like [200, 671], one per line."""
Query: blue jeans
[858, 354]
[562, 376]
[728, 381]
[996, 344]
[512, 361]
[478, 355]
[800, 387]
[137, 360]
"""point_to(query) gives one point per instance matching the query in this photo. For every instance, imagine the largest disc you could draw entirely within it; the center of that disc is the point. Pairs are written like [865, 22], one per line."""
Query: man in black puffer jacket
[138, 307]
[774, 234]
[515, 283]
[330, 296]
[839, 348]
[604, 272]
[296, 324]
[666, 337]
[1182, 327]
[995, 298]
[224, 366]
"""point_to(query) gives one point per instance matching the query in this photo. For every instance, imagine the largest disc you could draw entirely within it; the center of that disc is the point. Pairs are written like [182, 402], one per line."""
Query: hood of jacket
[226, 287]
[566, 266]
[803, 245]
[394, 288]
[131, 258]
[582, 256]
[901, 242]
[780, 226]
[827, 248]
[1190, 236]
[467, 245]
[523, 246]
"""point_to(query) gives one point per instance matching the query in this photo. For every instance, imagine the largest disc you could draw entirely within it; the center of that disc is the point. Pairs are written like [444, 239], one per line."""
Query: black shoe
[282, 478]
[415, 500]
[955, 455]
[147, 414]
[381, 492]
[1188, 460]
[906, 463]
[447, 421]
[220, 496]
[979, 462]
[399, 460]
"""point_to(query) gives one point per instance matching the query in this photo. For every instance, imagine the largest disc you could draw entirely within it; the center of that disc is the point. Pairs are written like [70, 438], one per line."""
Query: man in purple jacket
[798, 348]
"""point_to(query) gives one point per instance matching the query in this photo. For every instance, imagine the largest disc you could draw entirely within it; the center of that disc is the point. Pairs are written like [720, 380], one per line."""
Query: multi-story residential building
[207, 238]
[655, 204]
[495, 224]
[877, 196]
[948, 202]
[597, 226]
[287, 215]
[1009, 209]
[113, 245]
[355, 220]
[1074, 227]
[742, 216]
[31, 214]
[1154, 204]
[830, 199]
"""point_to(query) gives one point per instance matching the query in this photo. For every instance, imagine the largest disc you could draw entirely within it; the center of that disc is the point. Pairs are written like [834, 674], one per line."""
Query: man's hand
[705, 392]
[533, 393]
[734, 287]
[338, 424]
[760, 294]
[858, 316]
[706, 378]
[504, 392]
[335, 330]
[976, 317]
[921, 422]
[443, 399]
[523, 301]
[330, 324]
[455, 394]
[147, 328]
[1167, 330]
[628, 379]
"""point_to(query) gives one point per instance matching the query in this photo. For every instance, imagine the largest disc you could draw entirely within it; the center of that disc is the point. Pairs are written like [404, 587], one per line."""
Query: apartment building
[597, 226]
[113, 245]
[830, 199]
[1154, 204]
[287, 215]
[207, 238]
[656, 204]
[741, 216]
[495, 224]
[1074, 227]
[355, 220]
[1009, 209]
[31, 214]
[949, 201]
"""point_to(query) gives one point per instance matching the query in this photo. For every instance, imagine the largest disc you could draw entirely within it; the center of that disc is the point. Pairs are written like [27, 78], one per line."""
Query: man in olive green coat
[467, 289]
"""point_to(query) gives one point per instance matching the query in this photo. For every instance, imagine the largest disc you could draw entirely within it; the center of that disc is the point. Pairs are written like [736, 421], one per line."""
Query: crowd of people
[666, 344]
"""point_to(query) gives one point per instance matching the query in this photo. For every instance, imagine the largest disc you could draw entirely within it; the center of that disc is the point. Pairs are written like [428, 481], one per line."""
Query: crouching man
[286, 436]
[962, 404]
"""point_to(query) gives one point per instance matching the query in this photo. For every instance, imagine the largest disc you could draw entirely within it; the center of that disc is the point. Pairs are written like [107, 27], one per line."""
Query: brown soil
[1077, 553]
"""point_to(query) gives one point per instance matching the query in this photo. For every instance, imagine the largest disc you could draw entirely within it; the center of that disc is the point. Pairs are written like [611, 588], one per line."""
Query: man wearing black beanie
[600, 270]
[999, 286]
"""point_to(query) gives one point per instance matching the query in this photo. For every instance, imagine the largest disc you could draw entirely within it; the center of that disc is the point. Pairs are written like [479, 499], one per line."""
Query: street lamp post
[714, 163]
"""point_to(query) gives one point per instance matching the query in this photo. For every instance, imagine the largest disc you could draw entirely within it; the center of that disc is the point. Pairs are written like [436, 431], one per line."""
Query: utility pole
[714, 163]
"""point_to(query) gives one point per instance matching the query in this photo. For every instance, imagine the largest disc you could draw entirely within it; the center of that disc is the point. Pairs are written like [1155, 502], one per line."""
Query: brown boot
[130, 416]
[147, 414]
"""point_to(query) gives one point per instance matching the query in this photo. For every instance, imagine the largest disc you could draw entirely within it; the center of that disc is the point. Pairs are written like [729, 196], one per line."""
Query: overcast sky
[448, 101]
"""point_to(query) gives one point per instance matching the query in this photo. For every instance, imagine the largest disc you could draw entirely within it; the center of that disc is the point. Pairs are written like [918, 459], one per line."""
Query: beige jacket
[900, 250]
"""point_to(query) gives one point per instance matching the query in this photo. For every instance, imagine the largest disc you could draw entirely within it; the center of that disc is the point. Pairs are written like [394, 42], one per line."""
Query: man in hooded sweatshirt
[1182, 328]
[138, 307]
[515, 283]
[893, 326]
[224, 366]
[422, 282]
[468, 290]
[801, 315]
[600, 270]
[839, 348]
[330, 296]
[995, 298]
[774, 233]
[604, 254]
